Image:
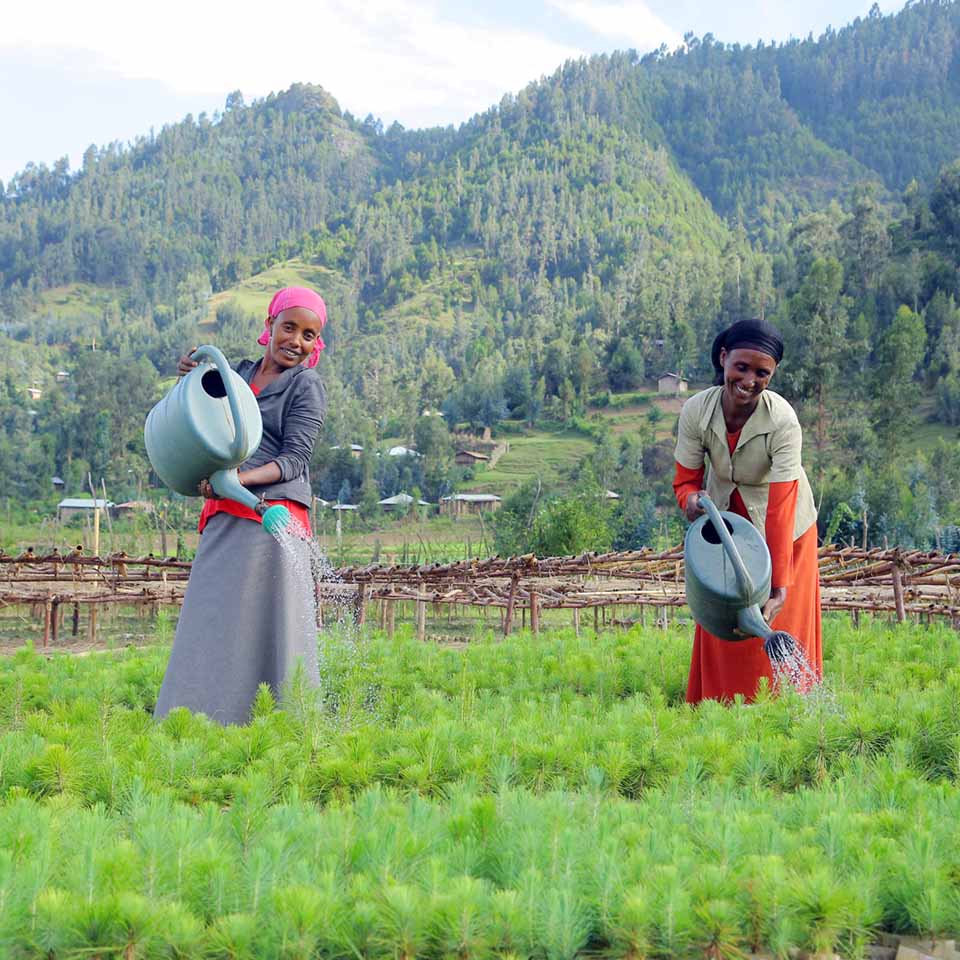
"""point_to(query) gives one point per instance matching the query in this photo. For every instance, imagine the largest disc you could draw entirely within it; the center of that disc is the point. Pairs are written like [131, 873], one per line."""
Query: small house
[344, 506]
[131, 507]
[400, 501]
[57, 482]
[401, 451]
[671, 383]
[34, 393]
[62, 376]
[610, 495]
[463, 504]
[80, 506]
[356, 451]
[467, 458]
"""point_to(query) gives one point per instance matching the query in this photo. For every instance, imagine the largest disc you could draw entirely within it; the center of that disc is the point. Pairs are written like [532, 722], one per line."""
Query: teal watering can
[727, 570]
[204, 428]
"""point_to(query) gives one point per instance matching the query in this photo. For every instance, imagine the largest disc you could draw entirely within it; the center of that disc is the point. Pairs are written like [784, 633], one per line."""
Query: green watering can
[204, 428]
[727, 570]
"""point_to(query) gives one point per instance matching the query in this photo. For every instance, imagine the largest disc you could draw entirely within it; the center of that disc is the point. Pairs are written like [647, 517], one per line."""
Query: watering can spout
[227, 484]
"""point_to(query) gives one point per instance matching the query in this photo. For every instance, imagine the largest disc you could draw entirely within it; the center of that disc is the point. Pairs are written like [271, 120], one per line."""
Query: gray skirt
[248, 617]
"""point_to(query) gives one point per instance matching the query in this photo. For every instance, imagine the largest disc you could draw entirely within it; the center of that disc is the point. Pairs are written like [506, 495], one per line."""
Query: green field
[548, 797]
[546, 454]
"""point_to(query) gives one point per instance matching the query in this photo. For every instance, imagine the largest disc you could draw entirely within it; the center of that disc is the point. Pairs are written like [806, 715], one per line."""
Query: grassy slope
[253, 294]
[545, 453]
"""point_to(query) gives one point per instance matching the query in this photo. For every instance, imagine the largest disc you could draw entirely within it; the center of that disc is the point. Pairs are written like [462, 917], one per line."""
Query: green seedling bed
[545, 797]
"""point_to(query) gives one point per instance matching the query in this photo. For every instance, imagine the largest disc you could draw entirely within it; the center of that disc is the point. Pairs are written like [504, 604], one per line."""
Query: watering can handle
[214, 356]
[740, 568]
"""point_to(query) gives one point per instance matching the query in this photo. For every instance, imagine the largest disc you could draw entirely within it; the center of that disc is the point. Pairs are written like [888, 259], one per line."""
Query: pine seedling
[255, 791]
[715, 930]
[181, 934]
[825, 908]
[565, 922]
[180, 724]
[918, 895]
[263, 703]
[210, 880]
[353, 936]
[402, 922]
[512, 923]
[298, 916]
[762, 899]
[462, 926]
[755, 768]
[630, 929]
[618, 764]
[54, 930]
[300, 698]
[57, 770]
[675, 919]
[235, 936]
[137, 926]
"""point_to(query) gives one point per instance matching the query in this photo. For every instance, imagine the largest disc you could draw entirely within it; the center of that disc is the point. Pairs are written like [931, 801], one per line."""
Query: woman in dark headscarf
[752, 440]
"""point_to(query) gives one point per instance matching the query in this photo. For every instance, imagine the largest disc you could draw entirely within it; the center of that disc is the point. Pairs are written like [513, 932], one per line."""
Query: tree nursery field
[534, 797]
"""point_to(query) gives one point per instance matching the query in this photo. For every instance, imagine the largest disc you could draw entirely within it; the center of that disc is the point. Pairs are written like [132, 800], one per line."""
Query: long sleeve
[301, 423]
[686, 480]
[781, 511]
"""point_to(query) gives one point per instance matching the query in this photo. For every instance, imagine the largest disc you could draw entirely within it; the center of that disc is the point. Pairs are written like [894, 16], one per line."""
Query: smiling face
[293, 333]
[746, 374]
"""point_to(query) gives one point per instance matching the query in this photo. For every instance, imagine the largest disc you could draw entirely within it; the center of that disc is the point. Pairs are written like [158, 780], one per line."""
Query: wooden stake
[511, 600]
[534, 613]
[576, 620]
[390, 618]
[898, 592]
[47, 611]
[360, 609]
[421, 620]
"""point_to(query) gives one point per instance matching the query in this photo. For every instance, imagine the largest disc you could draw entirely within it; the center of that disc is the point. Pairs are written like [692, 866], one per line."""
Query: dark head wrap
[751, 335]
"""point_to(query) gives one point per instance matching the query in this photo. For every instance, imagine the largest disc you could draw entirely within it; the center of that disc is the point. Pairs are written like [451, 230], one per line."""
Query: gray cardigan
[292, 407]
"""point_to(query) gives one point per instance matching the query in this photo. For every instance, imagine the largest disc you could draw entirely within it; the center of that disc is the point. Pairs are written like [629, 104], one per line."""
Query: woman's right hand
[207, 492]
[185, 364]
[693, 508]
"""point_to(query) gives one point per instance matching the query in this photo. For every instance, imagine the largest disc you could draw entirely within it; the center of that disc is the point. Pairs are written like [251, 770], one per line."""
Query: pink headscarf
[296, 297]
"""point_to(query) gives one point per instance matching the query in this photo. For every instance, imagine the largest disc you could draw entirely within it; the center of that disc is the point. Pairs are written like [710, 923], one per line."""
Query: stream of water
[346, 682]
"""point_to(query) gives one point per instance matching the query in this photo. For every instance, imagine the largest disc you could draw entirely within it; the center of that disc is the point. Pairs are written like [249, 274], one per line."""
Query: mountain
[593, 230]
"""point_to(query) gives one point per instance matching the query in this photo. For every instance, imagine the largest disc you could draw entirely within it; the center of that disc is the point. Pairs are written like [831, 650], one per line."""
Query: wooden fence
[903, 583]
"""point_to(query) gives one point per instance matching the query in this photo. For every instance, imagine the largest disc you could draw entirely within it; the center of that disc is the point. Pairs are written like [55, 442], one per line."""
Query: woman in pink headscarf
[247, 617]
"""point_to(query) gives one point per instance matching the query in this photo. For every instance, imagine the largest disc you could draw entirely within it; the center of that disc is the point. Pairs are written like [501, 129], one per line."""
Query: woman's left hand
[778, 597]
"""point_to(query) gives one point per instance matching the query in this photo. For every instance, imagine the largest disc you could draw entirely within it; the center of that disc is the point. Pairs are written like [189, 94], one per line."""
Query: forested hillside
[570, 243]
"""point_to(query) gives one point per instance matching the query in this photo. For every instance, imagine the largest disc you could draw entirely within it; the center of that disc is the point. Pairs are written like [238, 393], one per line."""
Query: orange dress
[720, 669]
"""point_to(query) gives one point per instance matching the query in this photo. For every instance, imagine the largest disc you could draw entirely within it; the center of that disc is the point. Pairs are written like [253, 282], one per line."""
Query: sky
[74, 74]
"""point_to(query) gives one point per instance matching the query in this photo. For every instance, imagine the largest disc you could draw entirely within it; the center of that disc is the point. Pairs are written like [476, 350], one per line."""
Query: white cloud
[628, 20]
[400, 59]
